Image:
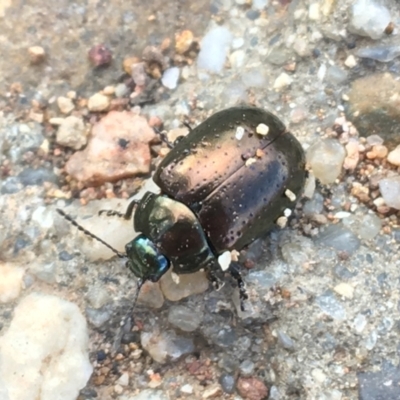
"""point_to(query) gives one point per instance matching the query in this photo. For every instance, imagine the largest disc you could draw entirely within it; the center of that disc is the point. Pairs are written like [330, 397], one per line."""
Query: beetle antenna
[90, 234]
[124, 322]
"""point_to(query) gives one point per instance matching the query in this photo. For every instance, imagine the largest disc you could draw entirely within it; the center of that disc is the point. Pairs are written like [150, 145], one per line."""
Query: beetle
[223, 185]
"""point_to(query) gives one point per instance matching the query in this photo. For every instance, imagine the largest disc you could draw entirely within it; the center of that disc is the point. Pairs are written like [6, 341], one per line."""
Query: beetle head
[145, 260]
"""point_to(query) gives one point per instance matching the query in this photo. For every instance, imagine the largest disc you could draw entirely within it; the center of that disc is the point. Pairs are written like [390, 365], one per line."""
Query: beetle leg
[188, 126]
[164, 138]
[126, 215]
[235, 273]
[215, 280]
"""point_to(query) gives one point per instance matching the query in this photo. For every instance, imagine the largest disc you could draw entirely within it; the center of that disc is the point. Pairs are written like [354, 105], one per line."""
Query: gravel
[322, 317]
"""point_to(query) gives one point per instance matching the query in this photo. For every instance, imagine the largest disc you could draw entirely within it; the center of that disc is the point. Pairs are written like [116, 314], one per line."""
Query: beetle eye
[145, 260]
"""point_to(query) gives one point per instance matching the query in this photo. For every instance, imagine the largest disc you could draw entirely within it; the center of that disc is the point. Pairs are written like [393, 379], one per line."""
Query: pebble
[284, 340]
[34, 338]
[326, 159]
[359, 323]
[123, 380]
[97, 296]
[11, 282]
[184, 318]
[147, 394]
[394, 156]
[227, 382]
[339, 237]
[186, 389]
[118, 148]
[37, 54]
[212, 392]
[365, 226]
[345, 290]
[65, 104]
[10, 185]
[121, 90]
[72, 133]
[390, 191]
[252, 388]
[318, 375]
[379, 384]
[336, 75]
[246, 367]
[17, 139]
[188, 284]
[165, 346]
[314, 206]
[369, 18]
[214, 49]
[150, 295]
[254, 78]
[382, 53]
[237, 59]
[314, 12]
[32, 177]
[352, 156]
[183, 41]
[100, 55]
[329, 305]
[350, 61]
[98, 102]
[170, 78]
[282, 81]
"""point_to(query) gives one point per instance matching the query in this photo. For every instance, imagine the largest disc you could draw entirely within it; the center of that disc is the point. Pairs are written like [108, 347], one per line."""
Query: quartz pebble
[214, 49]
[282, 81]
[345, 290]
[11, 282]
[148, 394]
[394, 156]
[390, 190]
[331, 306]
[369, 18]
[150, 295]
[184, 318]
[72, 133]
[44, 352]
[188, 284]
[37, 54]
[339, 237]
[382, 53]
[65, 104]
[166, 346]
[170, 78]
[326, 158]
[98, 102]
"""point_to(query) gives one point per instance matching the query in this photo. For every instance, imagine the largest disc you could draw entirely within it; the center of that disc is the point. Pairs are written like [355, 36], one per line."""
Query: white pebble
[44, 352]
[290, 195]
[394, 156]
[214, 49]
[11, 282]
[368, 18]
[225, 260]
[390, 190]
[282, 222]
[98, 102]
[239, 133]
[282, 81]
[170, 78]
[345, 290]
[262, 129]
[350, 61]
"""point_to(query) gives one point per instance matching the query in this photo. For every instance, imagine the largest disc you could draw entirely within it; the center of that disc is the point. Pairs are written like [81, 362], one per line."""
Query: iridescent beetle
[223, 185]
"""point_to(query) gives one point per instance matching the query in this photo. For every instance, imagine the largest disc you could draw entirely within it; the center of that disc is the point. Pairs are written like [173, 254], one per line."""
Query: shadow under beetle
[223, 185]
